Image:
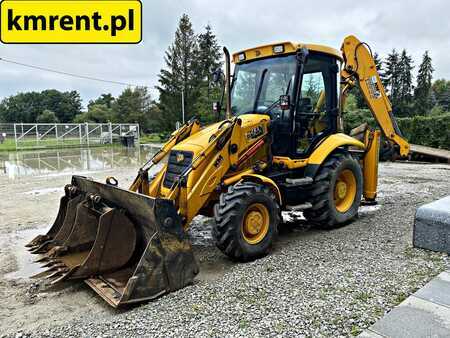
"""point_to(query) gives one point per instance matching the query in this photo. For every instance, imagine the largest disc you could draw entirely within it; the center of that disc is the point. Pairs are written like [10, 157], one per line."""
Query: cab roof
[281, 48]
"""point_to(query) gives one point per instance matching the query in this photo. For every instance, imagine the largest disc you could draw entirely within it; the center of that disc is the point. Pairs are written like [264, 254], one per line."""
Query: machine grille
[178, 162]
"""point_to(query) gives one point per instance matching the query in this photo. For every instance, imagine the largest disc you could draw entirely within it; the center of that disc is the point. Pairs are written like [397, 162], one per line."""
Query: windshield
[257, 85]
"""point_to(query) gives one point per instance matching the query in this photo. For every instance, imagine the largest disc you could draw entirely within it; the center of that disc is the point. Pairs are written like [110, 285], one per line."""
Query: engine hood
[200, 140]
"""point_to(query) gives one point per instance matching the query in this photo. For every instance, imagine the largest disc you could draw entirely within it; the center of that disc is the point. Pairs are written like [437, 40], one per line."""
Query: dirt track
[29, 204]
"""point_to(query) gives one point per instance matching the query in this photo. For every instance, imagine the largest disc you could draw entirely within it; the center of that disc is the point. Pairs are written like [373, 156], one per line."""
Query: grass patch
[243, 324]
[10, 144]
[400, 298]
[154, 138]
[356, 330]
[363, 296]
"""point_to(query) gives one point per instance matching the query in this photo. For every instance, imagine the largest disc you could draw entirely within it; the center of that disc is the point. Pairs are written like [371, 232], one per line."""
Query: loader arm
[359, 67]
[141, 182]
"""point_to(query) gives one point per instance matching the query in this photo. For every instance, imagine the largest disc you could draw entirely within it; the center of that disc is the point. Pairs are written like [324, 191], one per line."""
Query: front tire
[247, 218]
[336, 194]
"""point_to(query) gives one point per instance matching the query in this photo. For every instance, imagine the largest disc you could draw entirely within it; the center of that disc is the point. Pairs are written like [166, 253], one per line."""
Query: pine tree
[209, 59]
[422, 93]
[208, 54]
[378, 62]
[391, 78]
[179, 76]
[405, 84]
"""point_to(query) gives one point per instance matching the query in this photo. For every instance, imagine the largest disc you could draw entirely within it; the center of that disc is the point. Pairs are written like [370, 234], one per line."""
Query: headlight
[278, 49]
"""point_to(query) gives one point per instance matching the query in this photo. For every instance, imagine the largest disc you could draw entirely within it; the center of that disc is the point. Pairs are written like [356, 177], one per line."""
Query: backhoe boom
[360, 67]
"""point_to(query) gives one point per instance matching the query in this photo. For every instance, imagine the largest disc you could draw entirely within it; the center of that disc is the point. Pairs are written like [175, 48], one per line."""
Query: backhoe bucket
[128, 247]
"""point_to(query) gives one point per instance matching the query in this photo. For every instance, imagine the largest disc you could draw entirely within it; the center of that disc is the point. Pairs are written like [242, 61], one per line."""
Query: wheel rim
[345, 190]
[255, 223]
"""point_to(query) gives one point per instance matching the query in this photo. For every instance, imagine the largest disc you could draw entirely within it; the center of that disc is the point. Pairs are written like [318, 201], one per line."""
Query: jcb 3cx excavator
[280, 147]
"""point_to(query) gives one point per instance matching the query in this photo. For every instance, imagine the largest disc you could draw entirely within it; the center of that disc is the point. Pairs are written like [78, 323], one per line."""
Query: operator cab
[296, 85]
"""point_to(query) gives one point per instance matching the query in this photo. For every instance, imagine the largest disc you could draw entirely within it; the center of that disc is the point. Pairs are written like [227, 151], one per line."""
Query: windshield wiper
[258, 94]
[288, 86]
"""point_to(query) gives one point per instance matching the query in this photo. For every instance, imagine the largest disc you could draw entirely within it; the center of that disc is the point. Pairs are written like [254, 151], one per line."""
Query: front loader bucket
[128, 247]
[64, 205]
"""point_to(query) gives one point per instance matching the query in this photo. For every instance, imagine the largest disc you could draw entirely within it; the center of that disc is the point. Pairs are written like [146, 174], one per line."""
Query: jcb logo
[180, 157]
[63, 21]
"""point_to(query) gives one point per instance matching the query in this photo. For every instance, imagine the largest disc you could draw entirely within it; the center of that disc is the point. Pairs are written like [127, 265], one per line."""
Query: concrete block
[432, 226]
[413, 318]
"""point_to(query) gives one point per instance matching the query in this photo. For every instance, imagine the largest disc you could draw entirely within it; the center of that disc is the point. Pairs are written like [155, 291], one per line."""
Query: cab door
[316, 107]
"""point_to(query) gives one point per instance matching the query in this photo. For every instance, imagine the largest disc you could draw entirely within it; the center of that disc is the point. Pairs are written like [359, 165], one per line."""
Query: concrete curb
[426, 313]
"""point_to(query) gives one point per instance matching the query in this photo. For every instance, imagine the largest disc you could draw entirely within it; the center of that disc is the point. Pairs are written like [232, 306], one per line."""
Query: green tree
[135, 106]
[96, 113]
[22, 107]
[391, 78]
[422, 92]
[26, 107]
[47, 116]
[209, 60]
[209, 54]
[441, 93]
[180, 75]
[66, 105]
[104, 99]
[351, 103]
[405, 89]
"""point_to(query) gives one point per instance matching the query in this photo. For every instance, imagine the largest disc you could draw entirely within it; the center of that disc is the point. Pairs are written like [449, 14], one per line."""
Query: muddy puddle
[25, 265]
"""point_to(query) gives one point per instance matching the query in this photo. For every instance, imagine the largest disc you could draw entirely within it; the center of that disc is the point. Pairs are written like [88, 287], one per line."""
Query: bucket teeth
[51, 263]
[40, 275]
[65, 274]
[40, 248]
[52, 254]
[51, 271]
[58, 273]
[37, 241]
[41, 259]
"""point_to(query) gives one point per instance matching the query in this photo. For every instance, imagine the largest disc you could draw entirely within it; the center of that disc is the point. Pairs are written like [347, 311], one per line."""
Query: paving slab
[370, 334]
[415, 317]
[437, 290]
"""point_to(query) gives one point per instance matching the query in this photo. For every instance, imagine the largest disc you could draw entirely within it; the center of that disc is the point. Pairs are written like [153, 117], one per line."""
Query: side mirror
[216, 107]
[217, 75]
[285, 102]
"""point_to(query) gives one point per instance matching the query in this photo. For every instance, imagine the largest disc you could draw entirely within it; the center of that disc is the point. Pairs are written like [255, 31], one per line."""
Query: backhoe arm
[360, 67]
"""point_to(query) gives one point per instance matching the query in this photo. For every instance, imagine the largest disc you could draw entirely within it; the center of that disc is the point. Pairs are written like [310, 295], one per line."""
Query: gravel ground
[314, 284]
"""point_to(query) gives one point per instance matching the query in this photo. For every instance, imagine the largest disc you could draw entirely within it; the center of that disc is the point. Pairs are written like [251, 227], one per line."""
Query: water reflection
[62, 161]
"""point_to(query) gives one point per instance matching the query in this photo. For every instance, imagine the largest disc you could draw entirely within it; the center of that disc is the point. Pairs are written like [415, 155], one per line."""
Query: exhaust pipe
[228, 80]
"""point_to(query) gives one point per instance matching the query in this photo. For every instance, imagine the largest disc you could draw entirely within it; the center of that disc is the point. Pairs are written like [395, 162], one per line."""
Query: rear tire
[247, 218]
[337, 190]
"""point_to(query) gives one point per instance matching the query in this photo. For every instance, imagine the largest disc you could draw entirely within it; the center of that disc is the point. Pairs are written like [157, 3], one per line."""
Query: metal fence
[42, 135]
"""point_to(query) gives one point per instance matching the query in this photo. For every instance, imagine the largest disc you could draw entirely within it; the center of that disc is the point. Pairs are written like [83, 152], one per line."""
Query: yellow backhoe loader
[280, 147]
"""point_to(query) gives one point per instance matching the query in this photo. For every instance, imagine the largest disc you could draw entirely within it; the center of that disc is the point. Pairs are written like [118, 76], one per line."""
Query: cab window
[318, 98]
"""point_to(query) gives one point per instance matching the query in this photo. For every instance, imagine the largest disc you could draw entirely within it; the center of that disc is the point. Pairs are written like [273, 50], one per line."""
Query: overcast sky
[414, 25]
